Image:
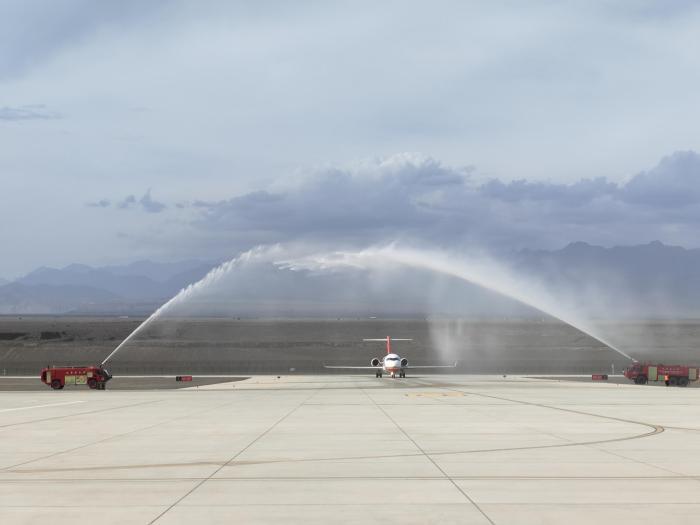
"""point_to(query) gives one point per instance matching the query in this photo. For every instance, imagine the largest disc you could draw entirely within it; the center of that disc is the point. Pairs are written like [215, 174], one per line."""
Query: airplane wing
[354, 367]
[432, 366]
[383, 339]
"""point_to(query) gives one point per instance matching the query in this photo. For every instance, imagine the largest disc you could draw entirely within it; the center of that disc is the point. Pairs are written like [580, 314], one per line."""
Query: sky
[178, 130]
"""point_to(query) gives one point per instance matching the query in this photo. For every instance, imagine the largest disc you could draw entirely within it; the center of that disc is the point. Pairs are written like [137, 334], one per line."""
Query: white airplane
[391, 363]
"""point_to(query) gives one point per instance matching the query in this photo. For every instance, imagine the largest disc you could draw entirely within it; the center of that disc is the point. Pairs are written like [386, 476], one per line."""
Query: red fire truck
[671, 375]
[59, 376]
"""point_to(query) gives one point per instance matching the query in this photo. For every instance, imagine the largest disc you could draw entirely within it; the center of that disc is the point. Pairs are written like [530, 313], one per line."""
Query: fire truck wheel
[642, 380]
[672, 381]
[92, 383]
[682, 381]
[56, 384]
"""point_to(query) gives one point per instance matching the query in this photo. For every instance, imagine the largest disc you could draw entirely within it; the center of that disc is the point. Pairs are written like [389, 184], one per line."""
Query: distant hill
[16, 298]
[159, 272]
[646, 280]
[112, 289]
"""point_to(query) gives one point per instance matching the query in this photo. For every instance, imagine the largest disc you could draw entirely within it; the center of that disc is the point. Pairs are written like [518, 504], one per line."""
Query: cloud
[576, 194]
[128, 202]
[149, 205]
[146, 202]
[36, 31]
[409, 196]
[103, 203]
[675, 181]
[526, 91]
[27, 112]
[393, 195]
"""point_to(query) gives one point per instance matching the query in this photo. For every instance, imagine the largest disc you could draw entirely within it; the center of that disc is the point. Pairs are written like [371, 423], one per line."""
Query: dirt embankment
[245, 347]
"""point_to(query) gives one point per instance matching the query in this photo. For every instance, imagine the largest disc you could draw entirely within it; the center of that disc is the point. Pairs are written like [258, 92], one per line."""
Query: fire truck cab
[57, 377]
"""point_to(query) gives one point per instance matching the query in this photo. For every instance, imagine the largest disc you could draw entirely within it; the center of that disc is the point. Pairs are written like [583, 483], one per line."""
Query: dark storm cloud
[408, 196]
[28, 112]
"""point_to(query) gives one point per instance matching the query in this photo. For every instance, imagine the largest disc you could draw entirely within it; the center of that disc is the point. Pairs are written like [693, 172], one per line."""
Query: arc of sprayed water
[438, 263]
[211, 277]
[431, 262]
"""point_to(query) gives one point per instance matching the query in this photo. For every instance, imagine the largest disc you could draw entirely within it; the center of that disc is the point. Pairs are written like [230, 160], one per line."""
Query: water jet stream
[482, 272]
[213, 276]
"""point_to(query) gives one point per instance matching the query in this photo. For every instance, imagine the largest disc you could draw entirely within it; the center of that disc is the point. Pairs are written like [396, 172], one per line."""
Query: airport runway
[353, 449]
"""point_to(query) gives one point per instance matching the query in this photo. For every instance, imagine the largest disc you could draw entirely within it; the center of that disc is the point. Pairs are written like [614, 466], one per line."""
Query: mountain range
[650, 280]
[135, 288]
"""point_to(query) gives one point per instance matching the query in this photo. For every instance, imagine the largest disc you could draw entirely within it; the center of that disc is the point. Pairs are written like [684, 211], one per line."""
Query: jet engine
[374, 362]
[404, 362]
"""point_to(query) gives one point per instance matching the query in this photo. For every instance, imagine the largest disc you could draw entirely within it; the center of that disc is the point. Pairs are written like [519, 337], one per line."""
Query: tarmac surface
[353, 449]
[11, 384]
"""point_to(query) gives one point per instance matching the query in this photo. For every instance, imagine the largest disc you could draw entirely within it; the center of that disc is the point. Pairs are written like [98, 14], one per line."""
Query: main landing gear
[401, 374]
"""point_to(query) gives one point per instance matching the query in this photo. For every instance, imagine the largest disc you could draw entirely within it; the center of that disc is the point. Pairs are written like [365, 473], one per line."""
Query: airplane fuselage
[391, 364]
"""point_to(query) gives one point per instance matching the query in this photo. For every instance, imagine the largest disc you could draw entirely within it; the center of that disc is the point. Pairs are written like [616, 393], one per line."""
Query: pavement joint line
[407, 504]
[53, 418]
[41, 406]
[427, 456]
[388, 456]
[600, 448]
[683, 428]
[656, 429]
[115, 436]
[639, 461]
[538, 431]
[345, 478]
[241, 451]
